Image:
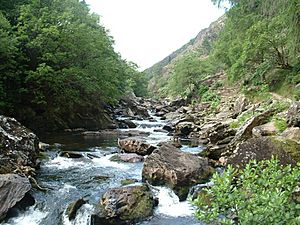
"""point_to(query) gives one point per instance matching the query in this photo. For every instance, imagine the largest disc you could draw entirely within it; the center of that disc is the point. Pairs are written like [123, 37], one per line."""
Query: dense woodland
[257, 47]
[58, 63]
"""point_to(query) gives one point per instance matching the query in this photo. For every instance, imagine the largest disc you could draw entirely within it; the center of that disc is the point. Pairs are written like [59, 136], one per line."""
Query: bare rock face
[287, 151]
[124, 205]
[132, 145]
[293, 115]
[13, 189]
[179, 170]
[19, 148]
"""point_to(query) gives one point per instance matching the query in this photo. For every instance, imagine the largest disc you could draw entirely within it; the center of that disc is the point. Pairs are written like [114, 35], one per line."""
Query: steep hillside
[160, 72]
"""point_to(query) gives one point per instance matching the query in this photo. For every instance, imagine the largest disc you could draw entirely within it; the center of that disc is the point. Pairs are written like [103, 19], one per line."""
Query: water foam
[170, 205]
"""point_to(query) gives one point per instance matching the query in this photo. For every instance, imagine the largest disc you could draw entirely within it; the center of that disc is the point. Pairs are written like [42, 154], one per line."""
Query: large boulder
[19, 147]
[287, 151]
[176, 169]
[293, 115]
[292, 133]
[139, 147]
[245, 131]
[13, 191]
[184, 128]
[124, 205]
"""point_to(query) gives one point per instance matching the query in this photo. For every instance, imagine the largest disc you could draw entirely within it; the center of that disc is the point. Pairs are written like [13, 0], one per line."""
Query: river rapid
[90, 176]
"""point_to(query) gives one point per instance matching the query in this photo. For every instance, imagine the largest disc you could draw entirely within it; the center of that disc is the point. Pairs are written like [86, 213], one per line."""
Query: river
[91, 176]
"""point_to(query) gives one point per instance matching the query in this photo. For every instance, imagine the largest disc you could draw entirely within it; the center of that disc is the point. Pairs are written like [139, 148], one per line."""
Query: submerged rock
[19, 147]
[176, 169]
[13, 189]
[124, 205]
[132, 145]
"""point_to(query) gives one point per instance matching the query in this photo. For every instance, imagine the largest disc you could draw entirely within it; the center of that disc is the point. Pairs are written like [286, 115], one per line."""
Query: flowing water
[91, 176]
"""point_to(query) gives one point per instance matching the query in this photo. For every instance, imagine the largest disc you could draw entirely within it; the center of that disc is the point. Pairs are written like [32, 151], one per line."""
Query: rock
[293, 115]
[198, 190]
[240, 104]
[268, 129]
[292, 133]
[245, 131]
[72, 155]
[43, 146]
[184, 128]
[131, 145]
[19, 147]
[168, 128]
[219, 133]
[127, 157]
[124, 205]
[287, 151]
[129, 123]
[74, 207]
[179, 170]
[214, 152]
[13, 189]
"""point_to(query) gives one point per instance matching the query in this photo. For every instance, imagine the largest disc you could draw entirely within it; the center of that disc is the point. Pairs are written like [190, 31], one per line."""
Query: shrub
[262, 193]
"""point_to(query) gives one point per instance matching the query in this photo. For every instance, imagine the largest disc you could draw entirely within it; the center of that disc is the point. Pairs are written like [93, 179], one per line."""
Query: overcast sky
[146, 31]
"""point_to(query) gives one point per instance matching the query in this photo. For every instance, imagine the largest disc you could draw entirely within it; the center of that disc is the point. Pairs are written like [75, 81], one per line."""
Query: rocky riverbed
[143, 171]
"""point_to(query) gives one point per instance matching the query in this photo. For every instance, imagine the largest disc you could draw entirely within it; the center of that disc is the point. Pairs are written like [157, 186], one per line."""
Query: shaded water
[90, 177]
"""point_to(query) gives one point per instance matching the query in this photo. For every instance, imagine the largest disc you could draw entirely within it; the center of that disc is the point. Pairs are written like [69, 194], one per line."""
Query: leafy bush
[262, 193]
[211, 97]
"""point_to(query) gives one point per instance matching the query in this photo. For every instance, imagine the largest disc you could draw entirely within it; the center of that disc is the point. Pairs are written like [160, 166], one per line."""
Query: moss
[289, 146]
[128, 181]
[143, 206]
[43, 155]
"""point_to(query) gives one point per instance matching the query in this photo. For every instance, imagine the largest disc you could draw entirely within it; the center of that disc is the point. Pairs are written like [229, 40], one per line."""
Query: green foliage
[58, 61]
[211, 97]
[241, 119]
[280, 123]
[259, 194]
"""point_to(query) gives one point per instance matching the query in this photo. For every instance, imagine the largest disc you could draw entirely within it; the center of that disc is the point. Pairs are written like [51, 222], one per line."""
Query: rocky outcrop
[293, 115]
[19, 148]
[132, 107]
[127, 157]
[171, 167]
[13, 191]
[287, 151]
[124, 205]
[132, 145]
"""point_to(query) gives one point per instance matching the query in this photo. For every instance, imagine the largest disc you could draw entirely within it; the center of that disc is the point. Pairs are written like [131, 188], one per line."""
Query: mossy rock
[128, 181]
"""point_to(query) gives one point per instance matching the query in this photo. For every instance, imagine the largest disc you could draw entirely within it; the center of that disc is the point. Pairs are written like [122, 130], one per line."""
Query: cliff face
[160, 72]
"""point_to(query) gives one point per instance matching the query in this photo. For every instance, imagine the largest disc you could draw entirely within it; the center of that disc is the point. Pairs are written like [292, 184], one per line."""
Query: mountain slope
[160, 72]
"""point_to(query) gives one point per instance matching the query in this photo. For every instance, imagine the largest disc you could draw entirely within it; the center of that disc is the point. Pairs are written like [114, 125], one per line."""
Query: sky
[146, 31]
